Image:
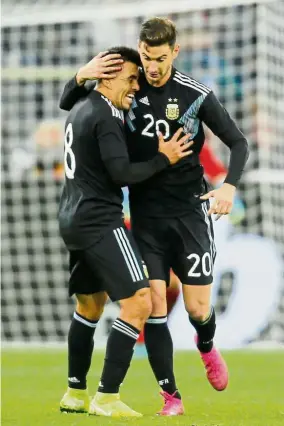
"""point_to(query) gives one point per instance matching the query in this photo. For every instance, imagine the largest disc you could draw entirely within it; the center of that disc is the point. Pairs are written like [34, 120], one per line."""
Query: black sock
[159, 346]
[80, 350]
[205, 331]
[119, 351]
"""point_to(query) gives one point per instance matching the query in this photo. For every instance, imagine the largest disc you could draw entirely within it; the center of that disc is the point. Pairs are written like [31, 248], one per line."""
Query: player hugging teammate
[170, 211]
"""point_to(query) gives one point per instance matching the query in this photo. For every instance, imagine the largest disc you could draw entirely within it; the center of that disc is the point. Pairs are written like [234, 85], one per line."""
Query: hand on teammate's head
[103, 66]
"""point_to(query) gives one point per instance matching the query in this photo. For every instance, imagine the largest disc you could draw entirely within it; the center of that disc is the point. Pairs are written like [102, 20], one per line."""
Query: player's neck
[106, 92]
[163, 81]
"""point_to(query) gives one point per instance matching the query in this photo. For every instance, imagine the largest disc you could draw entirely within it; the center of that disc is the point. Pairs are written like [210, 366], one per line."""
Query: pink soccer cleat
[216, 368]
[172, 407]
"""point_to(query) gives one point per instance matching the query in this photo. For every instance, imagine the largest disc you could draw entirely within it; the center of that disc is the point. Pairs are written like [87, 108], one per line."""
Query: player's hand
[175, 149]
[223, 200]
[101, 66]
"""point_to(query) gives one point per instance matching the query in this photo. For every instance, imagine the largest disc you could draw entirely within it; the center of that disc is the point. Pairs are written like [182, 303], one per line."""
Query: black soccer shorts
[112, 265]
[185, 244]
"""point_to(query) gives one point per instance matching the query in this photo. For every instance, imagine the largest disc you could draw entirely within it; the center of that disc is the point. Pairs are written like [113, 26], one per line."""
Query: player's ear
[107, 83]
[176, 50]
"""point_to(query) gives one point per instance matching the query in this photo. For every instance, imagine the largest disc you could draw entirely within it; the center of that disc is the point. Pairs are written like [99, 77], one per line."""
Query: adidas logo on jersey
[145, 101]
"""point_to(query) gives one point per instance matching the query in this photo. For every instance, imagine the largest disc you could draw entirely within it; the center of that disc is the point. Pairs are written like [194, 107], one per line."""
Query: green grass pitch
[34, 381]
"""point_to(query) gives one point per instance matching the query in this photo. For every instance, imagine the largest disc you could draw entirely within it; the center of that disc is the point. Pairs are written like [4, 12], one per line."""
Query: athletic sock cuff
[157, 320]
[209, 316]
[126, 328]
[84, 320]
[211, 312]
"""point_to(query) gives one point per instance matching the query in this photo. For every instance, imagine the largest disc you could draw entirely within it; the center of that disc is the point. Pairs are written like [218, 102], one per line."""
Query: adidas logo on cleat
[145, 101]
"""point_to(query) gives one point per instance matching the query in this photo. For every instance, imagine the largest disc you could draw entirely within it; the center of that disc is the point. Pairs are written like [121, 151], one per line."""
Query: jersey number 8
[68, 140]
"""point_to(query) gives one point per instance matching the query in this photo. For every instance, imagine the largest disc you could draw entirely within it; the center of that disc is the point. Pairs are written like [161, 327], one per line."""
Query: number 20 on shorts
[206, 264]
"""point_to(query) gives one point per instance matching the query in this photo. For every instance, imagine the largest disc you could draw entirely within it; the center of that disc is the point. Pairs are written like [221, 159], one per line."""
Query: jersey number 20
[206, 264]
[68, 140]
[161, 126]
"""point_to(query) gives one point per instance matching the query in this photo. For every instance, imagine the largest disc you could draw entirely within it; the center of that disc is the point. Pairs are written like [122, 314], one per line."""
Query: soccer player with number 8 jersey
[170, 212]
[104, 259]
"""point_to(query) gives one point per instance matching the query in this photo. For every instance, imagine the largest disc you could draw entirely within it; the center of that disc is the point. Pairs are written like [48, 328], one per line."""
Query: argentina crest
[172, 110]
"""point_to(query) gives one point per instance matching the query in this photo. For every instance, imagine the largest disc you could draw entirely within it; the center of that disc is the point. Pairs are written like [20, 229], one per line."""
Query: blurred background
[234, 47]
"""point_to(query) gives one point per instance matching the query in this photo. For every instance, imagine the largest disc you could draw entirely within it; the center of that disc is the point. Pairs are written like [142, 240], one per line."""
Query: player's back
[91, 202]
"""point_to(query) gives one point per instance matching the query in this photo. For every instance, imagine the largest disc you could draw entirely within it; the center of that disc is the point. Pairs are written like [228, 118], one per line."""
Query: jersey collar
[161, 88]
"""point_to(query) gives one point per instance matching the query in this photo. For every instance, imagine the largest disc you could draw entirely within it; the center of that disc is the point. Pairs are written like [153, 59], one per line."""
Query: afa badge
[172, 110]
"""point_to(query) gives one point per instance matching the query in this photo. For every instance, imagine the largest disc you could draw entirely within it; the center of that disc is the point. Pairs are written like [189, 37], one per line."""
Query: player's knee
[89, 311]
[139, 305]
[90, 307]
[143, 303]
[197, 309]
[159, 300]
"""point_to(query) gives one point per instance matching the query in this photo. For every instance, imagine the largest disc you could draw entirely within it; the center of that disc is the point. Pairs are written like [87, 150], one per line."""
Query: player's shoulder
[81, 111]
[97, 106]
[190, 85]
[104, 108]
[92, 110]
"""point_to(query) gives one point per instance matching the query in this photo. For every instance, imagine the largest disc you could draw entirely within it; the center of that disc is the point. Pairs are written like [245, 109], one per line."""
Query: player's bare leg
[160, 350]
[173, 291]
[172, 294]
[124, 333]
[88, 311]
[202, 317]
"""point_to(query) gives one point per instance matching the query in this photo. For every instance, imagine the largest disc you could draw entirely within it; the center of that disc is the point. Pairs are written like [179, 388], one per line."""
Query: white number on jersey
[69, 171]
[206, 264]
[161, 126]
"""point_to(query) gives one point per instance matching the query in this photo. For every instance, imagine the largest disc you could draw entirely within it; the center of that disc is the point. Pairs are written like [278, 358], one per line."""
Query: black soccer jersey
[181, 102]
[96, 166]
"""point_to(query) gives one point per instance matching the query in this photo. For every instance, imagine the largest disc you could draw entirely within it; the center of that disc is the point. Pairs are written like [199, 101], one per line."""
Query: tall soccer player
[104, 259]
[170, 213]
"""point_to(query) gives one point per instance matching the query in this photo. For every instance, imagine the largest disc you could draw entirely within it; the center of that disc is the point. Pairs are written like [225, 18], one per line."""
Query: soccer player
[215, 173]
[170, 213]
[104, 259]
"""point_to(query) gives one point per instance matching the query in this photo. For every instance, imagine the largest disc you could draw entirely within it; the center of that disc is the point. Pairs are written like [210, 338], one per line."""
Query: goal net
[235, 47]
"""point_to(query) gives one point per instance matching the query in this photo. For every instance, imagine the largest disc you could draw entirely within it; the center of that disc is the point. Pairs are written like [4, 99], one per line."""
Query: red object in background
[172, 295]
[141, 337]
[127, 222]
[213, 167]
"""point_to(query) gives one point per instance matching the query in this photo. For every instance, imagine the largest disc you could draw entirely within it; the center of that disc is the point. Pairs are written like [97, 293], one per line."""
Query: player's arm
[72, 93]
[101, 66]
[214, 169]
[115, 156]
[216, 173]
[215, 116]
